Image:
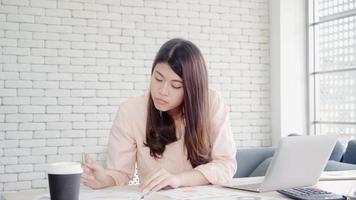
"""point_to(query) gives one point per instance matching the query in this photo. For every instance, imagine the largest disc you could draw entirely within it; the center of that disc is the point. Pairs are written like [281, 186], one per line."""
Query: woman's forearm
[109, 181]
[192, 177]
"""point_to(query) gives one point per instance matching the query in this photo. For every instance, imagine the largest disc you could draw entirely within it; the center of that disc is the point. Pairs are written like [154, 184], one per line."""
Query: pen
[144, 195]
[83, 159]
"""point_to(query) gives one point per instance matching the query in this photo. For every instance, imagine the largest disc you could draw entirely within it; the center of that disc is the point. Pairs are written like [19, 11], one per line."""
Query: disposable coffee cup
[64, 180]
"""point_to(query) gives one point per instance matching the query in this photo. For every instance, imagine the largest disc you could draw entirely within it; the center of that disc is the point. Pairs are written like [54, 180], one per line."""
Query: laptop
[297, 162]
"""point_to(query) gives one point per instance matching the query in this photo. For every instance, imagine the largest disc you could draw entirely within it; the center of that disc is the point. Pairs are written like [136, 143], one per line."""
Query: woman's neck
[176, 113]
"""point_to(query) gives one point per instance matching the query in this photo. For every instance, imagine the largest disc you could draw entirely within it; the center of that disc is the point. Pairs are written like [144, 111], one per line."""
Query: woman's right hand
[94, 175]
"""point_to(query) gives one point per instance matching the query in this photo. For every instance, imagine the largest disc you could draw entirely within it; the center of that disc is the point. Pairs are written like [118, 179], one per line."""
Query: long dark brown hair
[186, 61]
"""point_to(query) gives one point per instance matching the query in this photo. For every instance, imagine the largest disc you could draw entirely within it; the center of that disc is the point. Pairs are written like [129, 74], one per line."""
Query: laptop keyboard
[310, 194]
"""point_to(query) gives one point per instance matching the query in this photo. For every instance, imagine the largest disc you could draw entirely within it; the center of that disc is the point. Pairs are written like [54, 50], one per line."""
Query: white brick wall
[65, 66]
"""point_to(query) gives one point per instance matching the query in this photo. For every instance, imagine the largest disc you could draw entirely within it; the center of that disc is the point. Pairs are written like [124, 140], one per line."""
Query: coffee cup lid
[64, 168]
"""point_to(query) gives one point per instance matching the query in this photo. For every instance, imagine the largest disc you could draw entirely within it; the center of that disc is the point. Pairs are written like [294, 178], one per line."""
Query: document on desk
[113, 193]
[338, 175]
[207, 192]
[184, 193]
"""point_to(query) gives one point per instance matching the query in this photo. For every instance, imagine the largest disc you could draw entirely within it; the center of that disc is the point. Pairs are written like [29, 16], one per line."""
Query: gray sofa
[254, 162]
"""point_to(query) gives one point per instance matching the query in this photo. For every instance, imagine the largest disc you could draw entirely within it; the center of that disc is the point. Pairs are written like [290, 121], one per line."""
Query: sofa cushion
[350, 152]
[337, 152]
[262, 168]
[338, 166]
[249, 159]
[332, 165]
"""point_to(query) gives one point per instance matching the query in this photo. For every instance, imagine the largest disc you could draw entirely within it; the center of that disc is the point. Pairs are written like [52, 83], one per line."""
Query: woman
[179, 134]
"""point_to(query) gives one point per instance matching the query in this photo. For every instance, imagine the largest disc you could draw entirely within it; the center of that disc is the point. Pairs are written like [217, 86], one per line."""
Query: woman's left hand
[159, 180]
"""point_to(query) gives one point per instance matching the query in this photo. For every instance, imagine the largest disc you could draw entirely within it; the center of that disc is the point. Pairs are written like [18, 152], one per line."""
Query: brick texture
[65, 66]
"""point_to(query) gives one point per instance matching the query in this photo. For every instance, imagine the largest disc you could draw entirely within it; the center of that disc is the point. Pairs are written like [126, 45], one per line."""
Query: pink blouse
[126, 148]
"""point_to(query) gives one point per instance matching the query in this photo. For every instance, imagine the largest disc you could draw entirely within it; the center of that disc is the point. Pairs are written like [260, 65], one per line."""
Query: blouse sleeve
[223, 165]
[121, 157]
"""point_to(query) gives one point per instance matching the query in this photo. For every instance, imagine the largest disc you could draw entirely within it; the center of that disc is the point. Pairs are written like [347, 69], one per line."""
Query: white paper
[114, 193]
[338, 175]
[207, 192]
[184, 193]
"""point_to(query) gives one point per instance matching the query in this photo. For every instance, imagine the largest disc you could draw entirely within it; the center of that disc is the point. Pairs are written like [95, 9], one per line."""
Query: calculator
[310, 194]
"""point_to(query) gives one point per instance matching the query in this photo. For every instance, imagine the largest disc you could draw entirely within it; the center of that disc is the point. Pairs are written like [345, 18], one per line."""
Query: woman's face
[166, 88]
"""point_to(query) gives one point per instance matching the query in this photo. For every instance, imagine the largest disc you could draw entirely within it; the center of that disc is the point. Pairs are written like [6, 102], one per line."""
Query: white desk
[30, 195]
[339, 187]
